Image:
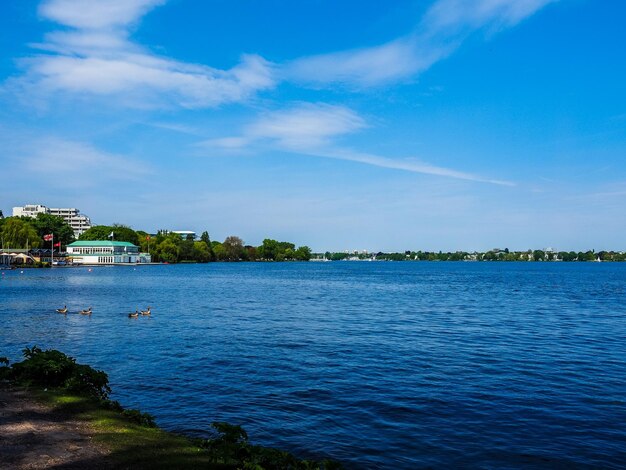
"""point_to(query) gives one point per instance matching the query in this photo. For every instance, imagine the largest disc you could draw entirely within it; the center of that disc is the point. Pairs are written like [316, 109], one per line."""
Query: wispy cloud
[96, 58]
[439, 33]
[61, 162]
[297, 128]
[96, 14]
[412, 165]
[315, 129]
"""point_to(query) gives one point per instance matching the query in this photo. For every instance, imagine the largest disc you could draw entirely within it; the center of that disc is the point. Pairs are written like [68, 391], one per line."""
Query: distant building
[185, 233]
[30, 210]
[80, 223]
[105, 252]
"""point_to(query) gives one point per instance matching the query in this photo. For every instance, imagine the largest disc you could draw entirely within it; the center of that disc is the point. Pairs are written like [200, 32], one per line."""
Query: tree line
[28, 232]
[169, 247]
[491, 255]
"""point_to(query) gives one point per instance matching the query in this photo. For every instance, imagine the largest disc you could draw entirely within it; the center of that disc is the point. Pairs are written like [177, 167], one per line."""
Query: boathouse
[105, 252]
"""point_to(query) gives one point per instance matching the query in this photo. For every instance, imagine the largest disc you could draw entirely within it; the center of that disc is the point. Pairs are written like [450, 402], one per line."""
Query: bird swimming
[86, 312]
[62, 310]
[146, 312]
[134, 314]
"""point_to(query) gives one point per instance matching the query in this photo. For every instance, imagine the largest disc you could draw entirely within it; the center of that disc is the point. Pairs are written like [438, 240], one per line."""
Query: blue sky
[445, 124]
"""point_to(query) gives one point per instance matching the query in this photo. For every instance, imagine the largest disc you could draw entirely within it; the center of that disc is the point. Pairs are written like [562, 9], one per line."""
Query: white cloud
[96, 58]
[438, 34]
[410, 164]
[63, 162]
[365, 67]
[298, 128]
[313, 129]
[96, 14]
[305, 125]
[448, 16]
[156, 81]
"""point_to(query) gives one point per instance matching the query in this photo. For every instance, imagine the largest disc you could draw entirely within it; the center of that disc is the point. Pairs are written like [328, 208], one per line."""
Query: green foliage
[201, 252]
[273, 250]
[121, 233]
[268, 250]
[5, 370]
[538, 255]
[491, 255]
[167, 251]
[219, 251]
[18, 232]
[233, 249]
[52, 368]
[145, 241]
[47, 223]
[230, 446]
[142, 419]
[172, 248]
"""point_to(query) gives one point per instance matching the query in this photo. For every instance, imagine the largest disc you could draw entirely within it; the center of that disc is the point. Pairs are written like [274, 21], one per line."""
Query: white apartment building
[79, 222]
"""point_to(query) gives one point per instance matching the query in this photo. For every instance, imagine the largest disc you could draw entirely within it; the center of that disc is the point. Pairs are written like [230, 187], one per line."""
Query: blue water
[378, 365]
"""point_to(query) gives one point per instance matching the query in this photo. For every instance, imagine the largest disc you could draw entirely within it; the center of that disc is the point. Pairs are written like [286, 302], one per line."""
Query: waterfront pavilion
[105, 252]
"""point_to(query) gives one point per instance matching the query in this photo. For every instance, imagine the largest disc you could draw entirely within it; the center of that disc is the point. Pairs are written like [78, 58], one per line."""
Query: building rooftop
[99, 243]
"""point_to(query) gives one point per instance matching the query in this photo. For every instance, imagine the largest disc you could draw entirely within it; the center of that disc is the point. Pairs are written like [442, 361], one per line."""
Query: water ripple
[379, 365]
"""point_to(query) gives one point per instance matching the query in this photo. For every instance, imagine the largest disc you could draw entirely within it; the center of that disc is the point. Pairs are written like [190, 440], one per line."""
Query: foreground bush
[54, 369]
[231, 446]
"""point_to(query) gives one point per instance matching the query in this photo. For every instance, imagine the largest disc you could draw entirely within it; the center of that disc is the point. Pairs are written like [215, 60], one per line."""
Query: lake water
[377, 365]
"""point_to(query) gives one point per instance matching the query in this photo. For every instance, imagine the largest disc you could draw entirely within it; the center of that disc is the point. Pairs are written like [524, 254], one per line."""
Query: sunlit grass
[130, 444]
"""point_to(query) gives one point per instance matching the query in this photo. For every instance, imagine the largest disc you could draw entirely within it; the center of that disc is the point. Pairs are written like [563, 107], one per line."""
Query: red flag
[47, 237]
[148, 237]
[57, 244]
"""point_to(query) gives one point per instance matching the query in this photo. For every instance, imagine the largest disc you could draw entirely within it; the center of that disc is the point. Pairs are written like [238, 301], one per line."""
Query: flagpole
[52, 252]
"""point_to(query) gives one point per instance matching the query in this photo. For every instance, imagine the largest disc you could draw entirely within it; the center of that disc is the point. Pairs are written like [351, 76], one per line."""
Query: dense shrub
[143, 419]
[230, 445]
[52, 368]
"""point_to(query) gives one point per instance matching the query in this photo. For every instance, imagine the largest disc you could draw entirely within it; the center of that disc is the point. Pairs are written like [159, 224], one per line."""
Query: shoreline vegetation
[496, 254]
[130, 438]
[170, 247]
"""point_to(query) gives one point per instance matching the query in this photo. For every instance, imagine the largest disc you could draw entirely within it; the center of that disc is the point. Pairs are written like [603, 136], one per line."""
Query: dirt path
[34, 436]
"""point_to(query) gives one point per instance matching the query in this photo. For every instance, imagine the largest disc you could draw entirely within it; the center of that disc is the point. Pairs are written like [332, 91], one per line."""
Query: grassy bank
[131, 438]
[131, 445]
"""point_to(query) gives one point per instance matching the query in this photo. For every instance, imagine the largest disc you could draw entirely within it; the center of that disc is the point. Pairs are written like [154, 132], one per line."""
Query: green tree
[206, 239]
[589, 256]
[538, 255]
[201, 252]
[186, 250]
[46, 224]
[19, 233]
[219, 251]
[252, 253]
[121, 233]
[167, 251]
[233, 247]
[303, 253]
[268, 250]
[145, 240]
